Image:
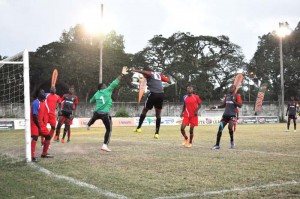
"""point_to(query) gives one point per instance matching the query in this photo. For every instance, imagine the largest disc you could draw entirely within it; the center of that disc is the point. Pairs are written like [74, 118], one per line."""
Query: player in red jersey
[51, 102]
[231, 102]
[66, 113]
[38, 126]
[291, 112]
[155, 97]
[191, 106]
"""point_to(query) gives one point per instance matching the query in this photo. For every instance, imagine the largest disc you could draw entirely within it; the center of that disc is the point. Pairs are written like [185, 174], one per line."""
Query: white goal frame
[10, 60]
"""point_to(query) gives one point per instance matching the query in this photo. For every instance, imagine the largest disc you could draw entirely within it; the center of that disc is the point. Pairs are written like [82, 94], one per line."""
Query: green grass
[142, 167]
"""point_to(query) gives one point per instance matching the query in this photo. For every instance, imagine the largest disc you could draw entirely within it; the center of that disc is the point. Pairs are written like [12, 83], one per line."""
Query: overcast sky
[29, 24]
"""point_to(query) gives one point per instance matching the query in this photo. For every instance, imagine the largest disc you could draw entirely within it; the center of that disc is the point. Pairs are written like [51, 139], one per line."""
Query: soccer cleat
[189, 145]
[62, 140]
[68, 141]
[287, 130]
[105, 148]
[47, 156]
[156, 136]
[138, 130]
[185, 141]
[215, 147]
[232, 144]
[34, 159]
[87, 127]
[56, 139]
[295, 131]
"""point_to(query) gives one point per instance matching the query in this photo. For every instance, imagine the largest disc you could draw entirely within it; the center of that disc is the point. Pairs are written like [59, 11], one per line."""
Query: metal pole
[281, 78]
[27, 105]
[101, 45]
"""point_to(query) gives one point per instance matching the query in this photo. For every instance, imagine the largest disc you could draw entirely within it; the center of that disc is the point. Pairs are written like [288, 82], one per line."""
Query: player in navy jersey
[291, 112]
[231, 102]
[66, 113]
[155, 97]
[191, 106]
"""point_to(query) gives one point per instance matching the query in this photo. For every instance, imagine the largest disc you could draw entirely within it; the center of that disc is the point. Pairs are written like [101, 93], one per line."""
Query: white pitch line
[270, 153]
[236, 149]
[243, 189]
[77, 182]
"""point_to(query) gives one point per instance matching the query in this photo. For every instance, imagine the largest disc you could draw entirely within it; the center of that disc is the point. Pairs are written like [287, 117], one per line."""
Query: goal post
[13, 60]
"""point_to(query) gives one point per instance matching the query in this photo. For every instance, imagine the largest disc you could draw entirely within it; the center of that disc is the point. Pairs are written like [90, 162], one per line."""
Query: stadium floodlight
[14, 86]
[283, 31]
[91, 27]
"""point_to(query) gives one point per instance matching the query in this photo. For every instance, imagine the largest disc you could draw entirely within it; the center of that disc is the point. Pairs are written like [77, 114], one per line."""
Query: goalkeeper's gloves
[124, 70]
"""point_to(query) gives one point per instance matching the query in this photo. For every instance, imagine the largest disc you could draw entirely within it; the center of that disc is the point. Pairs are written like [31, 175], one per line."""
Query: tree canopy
[210, 63]
[266, 63]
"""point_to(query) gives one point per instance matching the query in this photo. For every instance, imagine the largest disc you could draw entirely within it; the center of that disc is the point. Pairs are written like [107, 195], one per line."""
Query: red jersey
[51, 101]
[191, 104]
[38, 108]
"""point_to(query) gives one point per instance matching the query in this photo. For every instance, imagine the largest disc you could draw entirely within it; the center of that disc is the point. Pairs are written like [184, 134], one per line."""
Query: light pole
[101, 45]
[283, 31]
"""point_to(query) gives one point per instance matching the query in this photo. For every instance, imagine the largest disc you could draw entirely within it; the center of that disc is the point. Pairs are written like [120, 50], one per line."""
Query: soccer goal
[15, 103]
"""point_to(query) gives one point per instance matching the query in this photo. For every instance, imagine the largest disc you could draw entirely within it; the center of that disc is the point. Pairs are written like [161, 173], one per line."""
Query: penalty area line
[224, 191]
[77, 182]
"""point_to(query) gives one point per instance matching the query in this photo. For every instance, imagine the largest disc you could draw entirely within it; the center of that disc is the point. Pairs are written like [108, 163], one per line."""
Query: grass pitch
[264, 164]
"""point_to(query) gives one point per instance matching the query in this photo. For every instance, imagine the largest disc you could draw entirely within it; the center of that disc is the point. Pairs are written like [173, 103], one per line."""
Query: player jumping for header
[155, 97]
[231, 102]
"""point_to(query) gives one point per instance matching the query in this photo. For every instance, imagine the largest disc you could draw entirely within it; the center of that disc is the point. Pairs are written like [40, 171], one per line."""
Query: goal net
[15, 107]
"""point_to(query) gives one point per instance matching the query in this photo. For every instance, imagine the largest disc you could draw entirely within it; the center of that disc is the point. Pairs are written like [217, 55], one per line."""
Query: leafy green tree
[266, 63]
[203, 60]
[77, 61]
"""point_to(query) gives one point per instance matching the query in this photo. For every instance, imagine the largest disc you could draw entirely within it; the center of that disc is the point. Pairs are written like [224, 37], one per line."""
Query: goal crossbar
[9, 60]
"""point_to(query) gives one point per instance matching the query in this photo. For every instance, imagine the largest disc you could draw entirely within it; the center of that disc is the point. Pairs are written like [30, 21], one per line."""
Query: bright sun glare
[91, 20]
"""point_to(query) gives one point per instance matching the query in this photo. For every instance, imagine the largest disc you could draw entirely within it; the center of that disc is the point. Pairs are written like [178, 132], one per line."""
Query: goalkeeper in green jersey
[103, 101]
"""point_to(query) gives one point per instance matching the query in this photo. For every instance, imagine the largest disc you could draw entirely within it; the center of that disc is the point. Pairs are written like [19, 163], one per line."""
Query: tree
[209, 62]
[266, 64]
[77, 61]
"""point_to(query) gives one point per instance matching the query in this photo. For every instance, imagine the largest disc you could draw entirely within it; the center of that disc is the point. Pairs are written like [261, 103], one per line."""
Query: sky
[29, 24]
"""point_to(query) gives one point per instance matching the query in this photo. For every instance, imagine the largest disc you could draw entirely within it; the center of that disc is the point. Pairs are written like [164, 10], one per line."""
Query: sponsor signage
[149, 121]
[258, 120]
[6, 125]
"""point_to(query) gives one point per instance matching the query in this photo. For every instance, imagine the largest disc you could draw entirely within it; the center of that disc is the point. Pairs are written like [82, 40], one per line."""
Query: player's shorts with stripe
[154, 99]
[52, 119]
[190, 120]
[65, 116]
[293, 117]
[35, 130]
[228, 119]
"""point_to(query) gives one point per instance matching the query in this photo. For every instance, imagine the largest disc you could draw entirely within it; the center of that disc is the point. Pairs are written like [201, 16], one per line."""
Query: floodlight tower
[101, 45]
[283, 31]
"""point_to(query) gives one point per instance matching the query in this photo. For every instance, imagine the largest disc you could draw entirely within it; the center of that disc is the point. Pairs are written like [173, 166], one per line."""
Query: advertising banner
[6, 125]
[260, 97]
